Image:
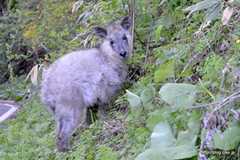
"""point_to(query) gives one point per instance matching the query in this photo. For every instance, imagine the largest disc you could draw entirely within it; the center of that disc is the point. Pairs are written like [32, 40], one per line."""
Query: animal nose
[123, 54]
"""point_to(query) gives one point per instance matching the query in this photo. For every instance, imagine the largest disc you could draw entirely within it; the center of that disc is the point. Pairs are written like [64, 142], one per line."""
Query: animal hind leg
[68, 120]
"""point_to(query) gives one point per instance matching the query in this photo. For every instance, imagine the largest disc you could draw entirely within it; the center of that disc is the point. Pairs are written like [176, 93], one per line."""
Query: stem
[208, 92]
[131, 10]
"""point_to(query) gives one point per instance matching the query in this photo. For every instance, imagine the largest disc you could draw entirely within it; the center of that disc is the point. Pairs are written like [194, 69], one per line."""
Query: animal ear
[126, 22]
[101, 32]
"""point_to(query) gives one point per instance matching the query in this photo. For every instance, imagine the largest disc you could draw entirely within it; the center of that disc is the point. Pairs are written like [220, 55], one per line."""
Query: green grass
[182, 58]
[31, 136]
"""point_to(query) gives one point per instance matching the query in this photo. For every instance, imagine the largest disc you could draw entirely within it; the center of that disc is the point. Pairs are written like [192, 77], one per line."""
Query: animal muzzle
[123, 54]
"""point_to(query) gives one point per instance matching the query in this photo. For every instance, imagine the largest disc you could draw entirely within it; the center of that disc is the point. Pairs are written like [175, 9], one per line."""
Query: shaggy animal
[85, 78]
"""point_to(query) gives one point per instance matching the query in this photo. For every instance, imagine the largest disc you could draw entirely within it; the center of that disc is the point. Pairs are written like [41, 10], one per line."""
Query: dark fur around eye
[124, 38]
[111, 42]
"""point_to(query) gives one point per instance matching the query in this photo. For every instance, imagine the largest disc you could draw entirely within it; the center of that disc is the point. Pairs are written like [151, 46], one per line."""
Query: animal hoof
[62, 145]
[62, 149]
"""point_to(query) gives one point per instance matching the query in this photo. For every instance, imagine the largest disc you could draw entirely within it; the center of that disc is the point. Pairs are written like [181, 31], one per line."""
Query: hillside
[182, 96]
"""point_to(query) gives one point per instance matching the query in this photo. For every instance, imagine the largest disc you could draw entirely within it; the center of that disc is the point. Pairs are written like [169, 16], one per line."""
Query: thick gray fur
[85, 78]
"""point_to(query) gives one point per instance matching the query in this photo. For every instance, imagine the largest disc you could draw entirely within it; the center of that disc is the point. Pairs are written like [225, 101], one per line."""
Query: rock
[8, 109]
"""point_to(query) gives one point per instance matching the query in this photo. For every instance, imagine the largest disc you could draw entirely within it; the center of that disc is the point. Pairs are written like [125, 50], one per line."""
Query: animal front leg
[82, 118]
[102, 111]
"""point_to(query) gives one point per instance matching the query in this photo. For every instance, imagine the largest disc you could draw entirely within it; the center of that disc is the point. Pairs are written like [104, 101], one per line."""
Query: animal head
[117, 39]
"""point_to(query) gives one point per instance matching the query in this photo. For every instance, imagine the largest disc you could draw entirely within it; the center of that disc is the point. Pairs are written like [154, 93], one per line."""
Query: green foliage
[106, 153]
[165, 147]
[146, 97]
[24, 137]
[178, 95]
[228, 140]
[133, 99]
[162, 136]
[16, 90]
[212, 9]
[10, 34]
[164, 71]
[180, 51]
[155, 117]
[31, 136]
[212, 67]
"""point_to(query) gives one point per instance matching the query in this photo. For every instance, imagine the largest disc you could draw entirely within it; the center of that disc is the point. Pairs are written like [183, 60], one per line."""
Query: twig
[81, 35]
[209, 133]
[226, 101]
[147, 49]
[219, 104]
[131, 10]
[203, 105]
[208, 92]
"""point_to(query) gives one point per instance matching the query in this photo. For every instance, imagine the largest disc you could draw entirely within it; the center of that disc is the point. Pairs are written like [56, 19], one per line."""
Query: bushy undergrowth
[183, 102]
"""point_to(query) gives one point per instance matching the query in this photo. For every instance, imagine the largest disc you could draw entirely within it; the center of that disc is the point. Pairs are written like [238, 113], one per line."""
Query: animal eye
[124, 38]
[111, 42]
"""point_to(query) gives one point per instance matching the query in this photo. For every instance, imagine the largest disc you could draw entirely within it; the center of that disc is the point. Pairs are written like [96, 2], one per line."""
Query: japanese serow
[85, 78]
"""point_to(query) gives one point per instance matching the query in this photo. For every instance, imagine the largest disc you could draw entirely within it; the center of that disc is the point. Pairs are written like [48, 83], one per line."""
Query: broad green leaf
[147, 94]
[212, 10]
[166, 21]
[213, 13]
[186, 138]
[115, 3]
[162, 136]
[153, 154]
[154, 118]
[227, 140]
[164, 71]
[181, 151]
[194, 122]
[169, 153]
[165, 147]
[205, 4]
[178, 94]
[158, 32]
[157, 116]
[133, 99]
